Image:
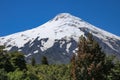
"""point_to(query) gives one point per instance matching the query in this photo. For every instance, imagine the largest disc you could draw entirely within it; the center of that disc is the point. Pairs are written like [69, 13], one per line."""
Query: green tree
[18, 60]
[44, 60]
[89, 63]
[7, 65]
[33, 62]
[4, 60]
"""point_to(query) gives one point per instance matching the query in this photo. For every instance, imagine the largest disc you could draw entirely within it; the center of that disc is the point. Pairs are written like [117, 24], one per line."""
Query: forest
[90, 63]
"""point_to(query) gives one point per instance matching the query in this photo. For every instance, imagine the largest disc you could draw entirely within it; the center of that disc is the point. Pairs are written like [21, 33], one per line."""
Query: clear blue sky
[20, 15]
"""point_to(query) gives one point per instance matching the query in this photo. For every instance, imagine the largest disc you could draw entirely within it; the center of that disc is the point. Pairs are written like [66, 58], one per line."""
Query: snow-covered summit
[65, 16]
[58, 38]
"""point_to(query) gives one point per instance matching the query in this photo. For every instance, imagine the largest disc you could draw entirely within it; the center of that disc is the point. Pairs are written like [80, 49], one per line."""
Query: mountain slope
[57, 39]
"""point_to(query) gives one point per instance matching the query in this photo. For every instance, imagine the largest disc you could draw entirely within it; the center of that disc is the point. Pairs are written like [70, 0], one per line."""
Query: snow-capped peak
[65, 16]
[61, 35]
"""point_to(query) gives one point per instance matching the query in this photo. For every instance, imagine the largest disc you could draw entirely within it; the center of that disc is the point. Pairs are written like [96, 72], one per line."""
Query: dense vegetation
[90, 63]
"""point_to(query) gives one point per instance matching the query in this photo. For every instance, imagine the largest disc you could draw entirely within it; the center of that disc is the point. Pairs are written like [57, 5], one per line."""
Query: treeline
[14, 67]
[90, 63]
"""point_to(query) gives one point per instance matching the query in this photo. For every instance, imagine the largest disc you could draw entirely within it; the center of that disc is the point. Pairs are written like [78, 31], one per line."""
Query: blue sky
[20, 15]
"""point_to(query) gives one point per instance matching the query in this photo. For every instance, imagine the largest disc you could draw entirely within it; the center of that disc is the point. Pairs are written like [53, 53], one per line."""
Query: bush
[22, 75]
[16, 75]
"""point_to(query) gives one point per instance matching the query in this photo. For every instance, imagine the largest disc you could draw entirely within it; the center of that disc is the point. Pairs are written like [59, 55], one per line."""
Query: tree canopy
[90, 61]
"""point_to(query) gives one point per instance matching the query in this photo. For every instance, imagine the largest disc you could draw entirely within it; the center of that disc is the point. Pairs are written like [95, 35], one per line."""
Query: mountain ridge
[58, 38]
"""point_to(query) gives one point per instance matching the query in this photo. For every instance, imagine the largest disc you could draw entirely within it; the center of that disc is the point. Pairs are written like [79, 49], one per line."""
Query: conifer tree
[33, 62]
[44, 60]
[18, 60]
[73, 68]
[4, 60]
[89, 62]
